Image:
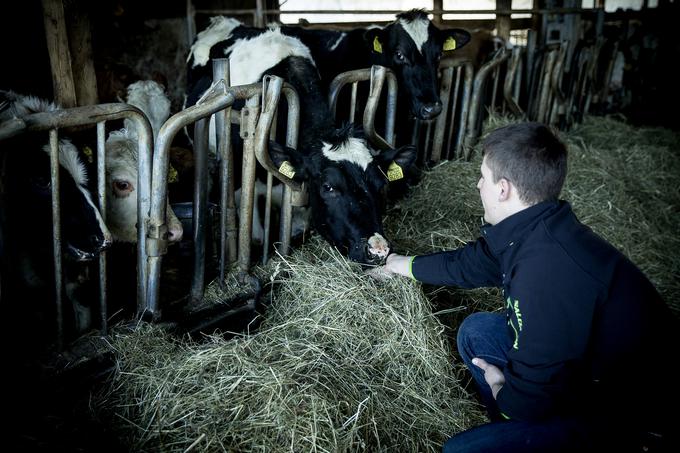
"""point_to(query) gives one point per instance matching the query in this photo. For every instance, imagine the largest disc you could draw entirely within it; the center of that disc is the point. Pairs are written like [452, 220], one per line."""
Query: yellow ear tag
[88, 153]
[450, 43]
[287, 170]
[394, 172]
[173, 176]
[376, 45]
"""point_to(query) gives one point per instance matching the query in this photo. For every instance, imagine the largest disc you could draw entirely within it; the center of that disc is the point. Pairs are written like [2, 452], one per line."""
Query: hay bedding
[340, 363]
[344, 363]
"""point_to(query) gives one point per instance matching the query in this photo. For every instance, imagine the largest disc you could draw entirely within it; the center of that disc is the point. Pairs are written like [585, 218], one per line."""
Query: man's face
[490, 193]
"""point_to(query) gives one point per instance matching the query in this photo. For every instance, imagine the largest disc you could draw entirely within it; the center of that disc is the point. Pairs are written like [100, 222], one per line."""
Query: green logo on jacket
[514, 306]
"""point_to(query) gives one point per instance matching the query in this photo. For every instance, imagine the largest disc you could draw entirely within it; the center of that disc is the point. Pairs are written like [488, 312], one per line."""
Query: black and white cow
[411, 47]
[343, 176]
[27, 210]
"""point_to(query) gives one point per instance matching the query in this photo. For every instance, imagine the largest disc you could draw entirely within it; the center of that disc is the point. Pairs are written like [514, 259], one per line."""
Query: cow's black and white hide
[122, 160]
[27, 213]
[411, 47]
[344, 177]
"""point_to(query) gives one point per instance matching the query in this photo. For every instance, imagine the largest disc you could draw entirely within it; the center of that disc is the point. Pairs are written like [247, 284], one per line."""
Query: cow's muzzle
[430, 111]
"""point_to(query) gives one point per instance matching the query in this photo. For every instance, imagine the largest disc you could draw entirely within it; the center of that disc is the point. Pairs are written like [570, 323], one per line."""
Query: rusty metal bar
[101, 197]
[476, 102]
[227, 240]
[359, 75]
[513, 78]
[93, 114]
[454, 108]
[272, 89]
[56, 234]
[219, 97]
[199, 214]
[544, 97]
[559, 98]
[249, 117]
[449, 98]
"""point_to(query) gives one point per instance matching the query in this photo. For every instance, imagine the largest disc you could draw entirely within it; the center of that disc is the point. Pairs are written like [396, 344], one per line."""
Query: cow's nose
[429, 111]
[98, 243]
[175, 232]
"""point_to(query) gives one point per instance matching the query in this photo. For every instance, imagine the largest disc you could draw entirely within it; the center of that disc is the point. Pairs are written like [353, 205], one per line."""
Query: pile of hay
[341, 363]
[344, 363]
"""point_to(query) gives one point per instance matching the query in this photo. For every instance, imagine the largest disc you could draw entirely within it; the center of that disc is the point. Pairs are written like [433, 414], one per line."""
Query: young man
[567, 365]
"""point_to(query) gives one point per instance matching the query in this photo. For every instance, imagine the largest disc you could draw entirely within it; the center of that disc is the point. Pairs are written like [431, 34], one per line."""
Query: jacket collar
[513, 229]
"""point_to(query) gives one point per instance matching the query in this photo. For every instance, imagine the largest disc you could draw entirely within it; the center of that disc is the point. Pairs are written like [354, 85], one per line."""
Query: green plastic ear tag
[376, 45]
[394, 172]
[450, 43]
[287, 170]
[173, 176]
[88, 153]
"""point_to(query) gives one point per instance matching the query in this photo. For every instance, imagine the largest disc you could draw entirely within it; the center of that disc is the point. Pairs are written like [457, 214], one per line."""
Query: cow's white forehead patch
[219, 30]
[418, 31]
[250, 58]
[353, 150]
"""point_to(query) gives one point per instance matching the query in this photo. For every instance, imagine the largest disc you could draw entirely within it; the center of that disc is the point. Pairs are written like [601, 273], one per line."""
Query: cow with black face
[411, 46]
[343, 175]
[27, 258]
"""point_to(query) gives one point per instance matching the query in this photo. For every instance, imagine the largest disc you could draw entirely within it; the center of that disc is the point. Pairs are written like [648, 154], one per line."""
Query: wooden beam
[503, 22]
[80, 45]
[60, 57]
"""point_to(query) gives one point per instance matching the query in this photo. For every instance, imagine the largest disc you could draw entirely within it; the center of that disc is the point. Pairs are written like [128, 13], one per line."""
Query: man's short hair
[531, 157]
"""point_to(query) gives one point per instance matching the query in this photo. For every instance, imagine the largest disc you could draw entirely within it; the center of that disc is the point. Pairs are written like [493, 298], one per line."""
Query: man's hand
[394, 265]
[492, 375]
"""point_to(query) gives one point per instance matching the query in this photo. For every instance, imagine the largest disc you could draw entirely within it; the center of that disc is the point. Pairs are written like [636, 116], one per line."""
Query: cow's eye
[327, 187]
[41, 182]
[122, 188]
[399, 56]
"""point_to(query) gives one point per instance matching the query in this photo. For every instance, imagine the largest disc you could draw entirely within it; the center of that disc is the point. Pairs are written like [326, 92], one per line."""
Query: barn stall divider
[257, 121]
[541, 94]
[86, 116]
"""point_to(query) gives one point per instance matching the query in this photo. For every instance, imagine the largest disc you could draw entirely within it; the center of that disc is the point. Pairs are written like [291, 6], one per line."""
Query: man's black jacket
[584, 321]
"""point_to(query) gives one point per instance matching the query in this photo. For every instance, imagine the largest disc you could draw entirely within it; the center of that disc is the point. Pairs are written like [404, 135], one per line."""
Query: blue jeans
[485, 335]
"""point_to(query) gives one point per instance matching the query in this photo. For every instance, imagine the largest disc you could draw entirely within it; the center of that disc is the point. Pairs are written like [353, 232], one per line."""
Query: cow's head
[412, 47]
[121, 190]
[29, 186]
[344, 180]
[83, 232]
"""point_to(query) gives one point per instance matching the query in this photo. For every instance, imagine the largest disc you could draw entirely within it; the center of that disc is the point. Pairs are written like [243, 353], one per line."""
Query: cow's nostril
[429, 111]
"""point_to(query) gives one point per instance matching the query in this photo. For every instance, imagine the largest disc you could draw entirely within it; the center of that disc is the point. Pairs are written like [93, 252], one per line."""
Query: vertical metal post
[56, 232]
[249, 114]
[101, 196]
[199, 216]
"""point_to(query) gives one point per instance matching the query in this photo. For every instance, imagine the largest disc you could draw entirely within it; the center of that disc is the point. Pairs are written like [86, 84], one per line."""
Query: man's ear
[288, 161]
[375, 41]
[395, 162]
[505, 187]
[453, 38]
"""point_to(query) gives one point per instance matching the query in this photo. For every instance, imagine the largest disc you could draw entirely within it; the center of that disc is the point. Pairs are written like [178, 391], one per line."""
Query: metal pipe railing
[376, 77]
[83, 116]
[476, 100]
[219, 97]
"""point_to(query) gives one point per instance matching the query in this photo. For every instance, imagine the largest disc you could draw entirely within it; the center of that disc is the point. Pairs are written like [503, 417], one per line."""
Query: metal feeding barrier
[456, 78]
[83, 116]
[376, 77]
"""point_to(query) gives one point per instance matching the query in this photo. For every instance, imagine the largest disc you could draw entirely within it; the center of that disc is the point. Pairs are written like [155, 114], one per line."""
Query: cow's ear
[375, 40]
[454, 38]
[288, 161]
[395, 162]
